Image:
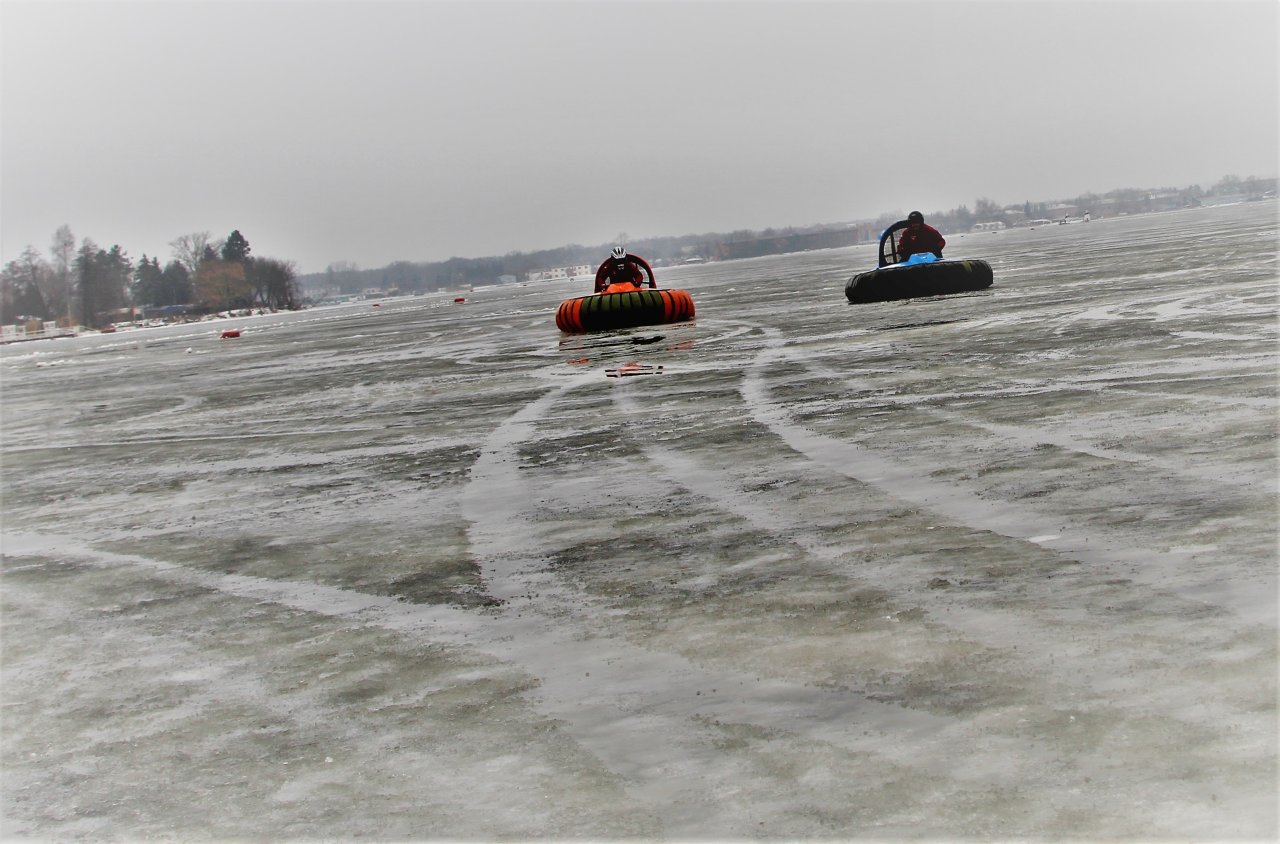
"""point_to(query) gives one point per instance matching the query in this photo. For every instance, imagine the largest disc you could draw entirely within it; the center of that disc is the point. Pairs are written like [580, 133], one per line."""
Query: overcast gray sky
[371, 131]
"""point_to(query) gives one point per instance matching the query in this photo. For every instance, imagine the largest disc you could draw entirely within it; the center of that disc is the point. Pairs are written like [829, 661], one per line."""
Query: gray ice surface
[1000, 565]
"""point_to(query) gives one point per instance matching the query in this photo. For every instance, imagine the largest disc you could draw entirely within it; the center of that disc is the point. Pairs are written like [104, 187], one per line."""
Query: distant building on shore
[574, 272]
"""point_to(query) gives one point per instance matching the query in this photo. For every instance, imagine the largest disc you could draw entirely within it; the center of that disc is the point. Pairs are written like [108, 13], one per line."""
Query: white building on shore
[574, 272]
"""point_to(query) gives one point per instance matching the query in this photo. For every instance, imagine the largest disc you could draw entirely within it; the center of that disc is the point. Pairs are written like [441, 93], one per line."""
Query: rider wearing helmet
[919, 237]
[623, 269]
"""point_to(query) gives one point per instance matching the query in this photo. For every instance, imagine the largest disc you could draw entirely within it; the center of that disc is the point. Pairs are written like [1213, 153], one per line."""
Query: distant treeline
[411, 277]
[93, 287]
[407, 276]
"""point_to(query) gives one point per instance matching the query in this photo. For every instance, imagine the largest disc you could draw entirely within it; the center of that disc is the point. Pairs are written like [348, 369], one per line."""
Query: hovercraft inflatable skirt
[907, 281]
[607, 311]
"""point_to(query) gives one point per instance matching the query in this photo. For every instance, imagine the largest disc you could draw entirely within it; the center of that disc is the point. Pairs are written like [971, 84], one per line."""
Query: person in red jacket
[919, 237]
[621, 268]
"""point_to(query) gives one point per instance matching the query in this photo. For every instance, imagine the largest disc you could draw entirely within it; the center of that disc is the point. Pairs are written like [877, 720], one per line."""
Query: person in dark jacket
[621, 268]
[919, 237]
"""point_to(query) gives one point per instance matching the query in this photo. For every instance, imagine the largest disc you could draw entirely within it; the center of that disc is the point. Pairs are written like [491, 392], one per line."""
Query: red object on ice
[230, 332]
[459, 300]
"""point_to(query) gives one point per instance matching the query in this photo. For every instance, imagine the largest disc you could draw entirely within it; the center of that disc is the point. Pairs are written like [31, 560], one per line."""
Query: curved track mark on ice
[1151, 568]
[645, 715]
[1032, 436]
[1031, 633]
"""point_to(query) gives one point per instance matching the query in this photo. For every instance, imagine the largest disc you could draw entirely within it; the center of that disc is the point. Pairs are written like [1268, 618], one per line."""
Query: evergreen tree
[102, 279]
[236, 248]
[176, 286]
[147, 282]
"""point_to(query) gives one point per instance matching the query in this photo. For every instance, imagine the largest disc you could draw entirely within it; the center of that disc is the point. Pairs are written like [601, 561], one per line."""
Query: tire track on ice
[656, 721]
[1049, 638]
[1251, 601]
[1031, 437]
[645, 717]
[652, 718]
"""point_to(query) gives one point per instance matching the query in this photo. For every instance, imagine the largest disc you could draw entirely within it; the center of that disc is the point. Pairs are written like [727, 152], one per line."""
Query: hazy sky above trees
[371, 132]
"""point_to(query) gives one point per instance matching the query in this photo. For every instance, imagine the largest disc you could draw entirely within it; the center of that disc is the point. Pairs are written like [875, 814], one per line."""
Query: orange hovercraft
[623, 303]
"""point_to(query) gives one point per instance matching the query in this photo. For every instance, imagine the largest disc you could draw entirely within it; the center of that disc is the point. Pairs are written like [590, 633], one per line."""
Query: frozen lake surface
[999, 565]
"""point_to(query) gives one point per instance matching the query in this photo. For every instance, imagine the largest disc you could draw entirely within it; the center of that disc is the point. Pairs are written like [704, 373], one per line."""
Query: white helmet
[618, 253]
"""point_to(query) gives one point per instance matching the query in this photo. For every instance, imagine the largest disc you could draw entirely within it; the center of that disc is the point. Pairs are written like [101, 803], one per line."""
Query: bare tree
[189, 250]
[63, 252]
[276, 283]
[22, 285]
